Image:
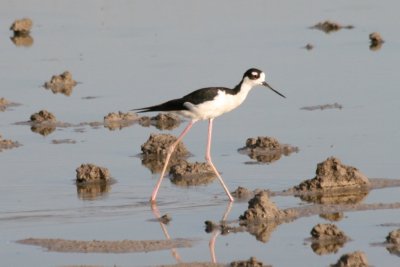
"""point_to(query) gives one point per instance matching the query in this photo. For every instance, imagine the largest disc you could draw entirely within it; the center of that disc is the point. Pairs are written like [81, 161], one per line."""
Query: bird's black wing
[195, 97]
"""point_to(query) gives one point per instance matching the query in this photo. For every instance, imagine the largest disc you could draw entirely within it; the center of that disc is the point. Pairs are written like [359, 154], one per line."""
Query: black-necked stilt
[207, 104]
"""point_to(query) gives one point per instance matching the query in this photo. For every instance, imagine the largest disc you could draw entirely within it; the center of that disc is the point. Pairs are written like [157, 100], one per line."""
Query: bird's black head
[255, 77]
[252, 74]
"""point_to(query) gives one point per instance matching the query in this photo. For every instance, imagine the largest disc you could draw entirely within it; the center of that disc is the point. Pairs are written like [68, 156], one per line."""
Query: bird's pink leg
[208, 159]
[170, 151]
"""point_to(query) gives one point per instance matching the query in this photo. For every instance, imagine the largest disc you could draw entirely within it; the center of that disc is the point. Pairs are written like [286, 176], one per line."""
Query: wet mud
[98, 246]
[43, 122]
[155, 149]
[252, 262]
[327, 239]
[8, 144]
[162, 121]
[90, 173]
[376, 41]
[5, 104]
[266, 149]
[62, 83]
[330, 26]
[185, 173]
[119, 120]
[323, 107]
[22, 26]
[354, 259]
[63, 141]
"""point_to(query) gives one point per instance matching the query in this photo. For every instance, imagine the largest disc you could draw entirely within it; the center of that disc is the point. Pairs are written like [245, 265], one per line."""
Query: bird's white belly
[221, 104]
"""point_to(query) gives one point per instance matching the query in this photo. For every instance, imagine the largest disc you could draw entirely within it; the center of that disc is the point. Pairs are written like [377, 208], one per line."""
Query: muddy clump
[90, 173]
[190, 174]
[21, 29]
[331, 174]
[330, 26]
[63, 141]
[162, 121]
[394, 237]
[266, 149]
[22, 26]
[252, 262]
[327, 238]
[355, 259]
[158, 144]
[155, 149]
[309, 46]
[323, 107]
[43, 116]
[100, 246]
[376, 41]
[261, 208]
[165, 219]
[119, 120]
[43, 122]
[7, 144]
[242, 193]
[62, 83]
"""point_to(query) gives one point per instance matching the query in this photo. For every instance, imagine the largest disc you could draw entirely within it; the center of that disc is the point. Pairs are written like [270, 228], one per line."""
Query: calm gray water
[131, 54]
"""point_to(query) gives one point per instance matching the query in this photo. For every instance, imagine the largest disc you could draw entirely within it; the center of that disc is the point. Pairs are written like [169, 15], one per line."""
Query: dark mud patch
[185, 173]
[266, 149]
[376, 41]
[252, 262]
[98, 246]
[357, 258]
[162, 121]
[62, 83]
[63, 141]
[155, 149]
[243, 193]
[8, 144]
[119, 120]
[4, 104]
[323, 107]
[327, 239]
[330, 26]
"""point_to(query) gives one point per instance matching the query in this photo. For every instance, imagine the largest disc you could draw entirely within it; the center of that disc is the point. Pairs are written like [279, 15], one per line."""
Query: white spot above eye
[254, 73]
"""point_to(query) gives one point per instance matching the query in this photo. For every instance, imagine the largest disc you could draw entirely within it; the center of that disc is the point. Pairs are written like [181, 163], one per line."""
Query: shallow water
[131, 54]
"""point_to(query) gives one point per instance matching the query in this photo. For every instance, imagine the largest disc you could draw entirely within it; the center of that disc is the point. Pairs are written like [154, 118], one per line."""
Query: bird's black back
[196, 97]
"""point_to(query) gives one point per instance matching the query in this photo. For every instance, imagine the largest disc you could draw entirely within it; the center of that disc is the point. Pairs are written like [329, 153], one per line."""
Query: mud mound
[376, 41]
[158, 144]
[4, 103]
[62, 83]
[7, 144]
[331, 174]
[333, 217]
[98, 246]
[261, 208]
[327, 238]
[345, 196]
[162, 121]
[394, 237]
[189, 174]
[323, 107]
[330, 26]
[42, 116]
[119, 120]
[242, 193]
[90, 173]
[327, 231]
[21, 26]
[252, 262]
[355, 259]
[266, 149]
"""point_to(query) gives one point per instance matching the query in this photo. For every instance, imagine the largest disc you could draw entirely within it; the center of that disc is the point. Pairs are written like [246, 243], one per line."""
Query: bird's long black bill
[267, 85]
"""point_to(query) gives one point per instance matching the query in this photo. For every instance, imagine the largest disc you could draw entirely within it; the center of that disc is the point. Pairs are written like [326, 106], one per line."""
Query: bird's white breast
[221, 104]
